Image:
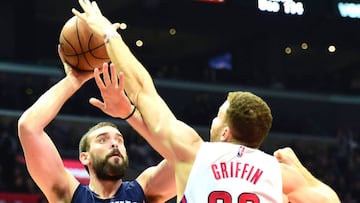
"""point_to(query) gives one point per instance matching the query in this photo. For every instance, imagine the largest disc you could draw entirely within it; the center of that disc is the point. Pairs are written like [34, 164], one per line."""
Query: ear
[84, 158]
[226, 135]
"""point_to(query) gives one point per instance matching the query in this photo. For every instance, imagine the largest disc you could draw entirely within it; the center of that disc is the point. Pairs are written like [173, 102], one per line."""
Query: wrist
[73, 82]
[131, 114]
[110, 35]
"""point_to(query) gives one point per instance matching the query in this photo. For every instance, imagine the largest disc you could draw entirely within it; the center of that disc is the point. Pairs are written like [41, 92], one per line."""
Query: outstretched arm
[170, 137]
[299, 184]
[42, 158]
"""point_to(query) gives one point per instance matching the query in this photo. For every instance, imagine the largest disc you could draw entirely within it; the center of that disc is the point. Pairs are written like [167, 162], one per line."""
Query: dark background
[319, 84]
[256, 40]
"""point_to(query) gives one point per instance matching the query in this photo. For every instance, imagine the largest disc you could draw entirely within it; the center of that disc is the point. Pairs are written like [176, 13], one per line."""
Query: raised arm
[169, 136]
[299, 184]
[42, 158]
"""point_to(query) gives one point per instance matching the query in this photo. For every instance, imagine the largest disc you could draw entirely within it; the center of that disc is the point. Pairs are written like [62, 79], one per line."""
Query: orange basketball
[81, 48]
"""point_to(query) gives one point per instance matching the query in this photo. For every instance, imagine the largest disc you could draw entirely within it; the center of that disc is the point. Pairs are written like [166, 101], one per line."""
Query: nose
[114, 145]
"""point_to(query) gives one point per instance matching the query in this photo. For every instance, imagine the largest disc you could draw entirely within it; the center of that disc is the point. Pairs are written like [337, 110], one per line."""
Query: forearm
[42, 158]
[141, 90]
[137, 77]
[137, 123]
[44, 110]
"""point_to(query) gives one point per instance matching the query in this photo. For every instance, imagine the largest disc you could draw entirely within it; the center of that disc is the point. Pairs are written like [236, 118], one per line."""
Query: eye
[101, 140]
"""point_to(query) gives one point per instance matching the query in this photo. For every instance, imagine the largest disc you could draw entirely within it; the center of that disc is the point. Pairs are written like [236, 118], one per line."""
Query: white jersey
[229, 173]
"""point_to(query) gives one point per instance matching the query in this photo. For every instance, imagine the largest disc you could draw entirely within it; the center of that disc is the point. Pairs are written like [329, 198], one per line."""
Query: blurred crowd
[336, 164]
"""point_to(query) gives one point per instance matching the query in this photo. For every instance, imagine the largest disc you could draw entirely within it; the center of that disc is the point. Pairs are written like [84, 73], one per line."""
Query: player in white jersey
[232, 174]
[244, 119]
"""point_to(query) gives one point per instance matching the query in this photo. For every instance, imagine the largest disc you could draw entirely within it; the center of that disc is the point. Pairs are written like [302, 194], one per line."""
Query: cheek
[97, 149]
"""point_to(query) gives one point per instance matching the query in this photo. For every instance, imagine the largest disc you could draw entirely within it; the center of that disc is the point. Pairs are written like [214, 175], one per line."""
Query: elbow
[24, 125]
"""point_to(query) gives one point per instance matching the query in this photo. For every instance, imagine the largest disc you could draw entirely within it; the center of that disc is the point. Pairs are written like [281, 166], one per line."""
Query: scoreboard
[287, 6]
[326, 8]
[349, 9]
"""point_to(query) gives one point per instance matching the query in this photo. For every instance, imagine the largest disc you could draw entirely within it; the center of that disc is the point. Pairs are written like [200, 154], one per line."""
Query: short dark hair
[249, 118]
[84, 143]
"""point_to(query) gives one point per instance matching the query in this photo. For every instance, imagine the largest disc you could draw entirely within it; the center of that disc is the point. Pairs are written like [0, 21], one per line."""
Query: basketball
[81, 48]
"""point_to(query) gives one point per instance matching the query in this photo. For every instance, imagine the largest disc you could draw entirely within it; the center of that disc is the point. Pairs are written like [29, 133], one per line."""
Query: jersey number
[226, 197]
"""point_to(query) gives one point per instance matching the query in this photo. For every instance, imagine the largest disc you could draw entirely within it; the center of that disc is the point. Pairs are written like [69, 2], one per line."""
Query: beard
[110, 170]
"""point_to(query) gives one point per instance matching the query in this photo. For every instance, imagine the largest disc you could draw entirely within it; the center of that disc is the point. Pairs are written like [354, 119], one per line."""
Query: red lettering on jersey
[248, 172]
[215, 171]
[237, 169]
[244, 170]
[256, 176]
[224, 170]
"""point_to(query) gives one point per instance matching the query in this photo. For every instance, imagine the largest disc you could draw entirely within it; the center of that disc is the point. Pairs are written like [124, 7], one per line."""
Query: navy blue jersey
[129, 192]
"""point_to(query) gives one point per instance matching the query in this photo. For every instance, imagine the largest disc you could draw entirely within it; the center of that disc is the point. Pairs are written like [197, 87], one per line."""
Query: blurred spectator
[8, 151]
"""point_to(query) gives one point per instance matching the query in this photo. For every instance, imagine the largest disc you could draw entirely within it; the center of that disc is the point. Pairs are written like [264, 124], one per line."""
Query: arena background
[304, 63]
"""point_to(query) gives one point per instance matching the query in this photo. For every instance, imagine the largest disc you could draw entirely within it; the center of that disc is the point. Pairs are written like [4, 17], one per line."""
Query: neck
[104, 188]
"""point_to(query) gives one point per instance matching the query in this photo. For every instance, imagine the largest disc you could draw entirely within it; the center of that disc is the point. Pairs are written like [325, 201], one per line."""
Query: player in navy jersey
[230, 168]
[102, 152]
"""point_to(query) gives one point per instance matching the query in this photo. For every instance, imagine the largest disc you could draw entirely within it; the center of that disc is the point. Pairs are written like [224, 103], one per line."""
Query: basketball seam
[88, 46]
[73, 48]
[89, 51]
[80, 42]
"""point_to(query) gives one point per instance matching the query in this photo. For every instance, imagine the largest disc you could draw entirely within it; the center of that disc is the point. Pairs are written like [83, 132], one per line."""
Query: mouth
[115, 153]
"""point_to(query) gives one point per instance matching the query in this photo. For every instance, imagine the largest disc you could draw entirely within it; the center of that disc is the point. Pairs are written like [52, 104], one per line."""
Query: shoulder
[158, 181]
[131, 188]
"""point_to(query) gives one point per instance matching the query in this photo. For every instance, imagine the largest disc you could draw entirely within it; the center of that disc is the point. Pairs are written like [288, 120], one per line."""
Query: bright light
[288, 50]
[291, 7]
[123, 26]
[304, 45]
[139, 43]
[265, 5]
[351, 10]
[332, 48]
[288, 6]
[172, 31]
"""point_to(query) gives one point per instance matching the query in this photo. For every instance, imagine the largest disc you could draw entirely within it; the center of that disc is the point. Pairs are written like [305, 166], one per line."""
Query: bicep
[291, 178]
[296, 188]
[309, 194]
[158, 182]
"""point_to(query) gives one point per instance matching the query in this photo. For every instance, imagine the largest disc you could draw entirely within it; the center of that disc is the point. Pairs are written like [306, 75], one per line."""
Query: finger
[82, 4]
[114, 77]
[278, 154]
[61, 54]
[97, 103]
[116, 26]
[81, 16]
[106, 75]
[96, 7]
[98, 79]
